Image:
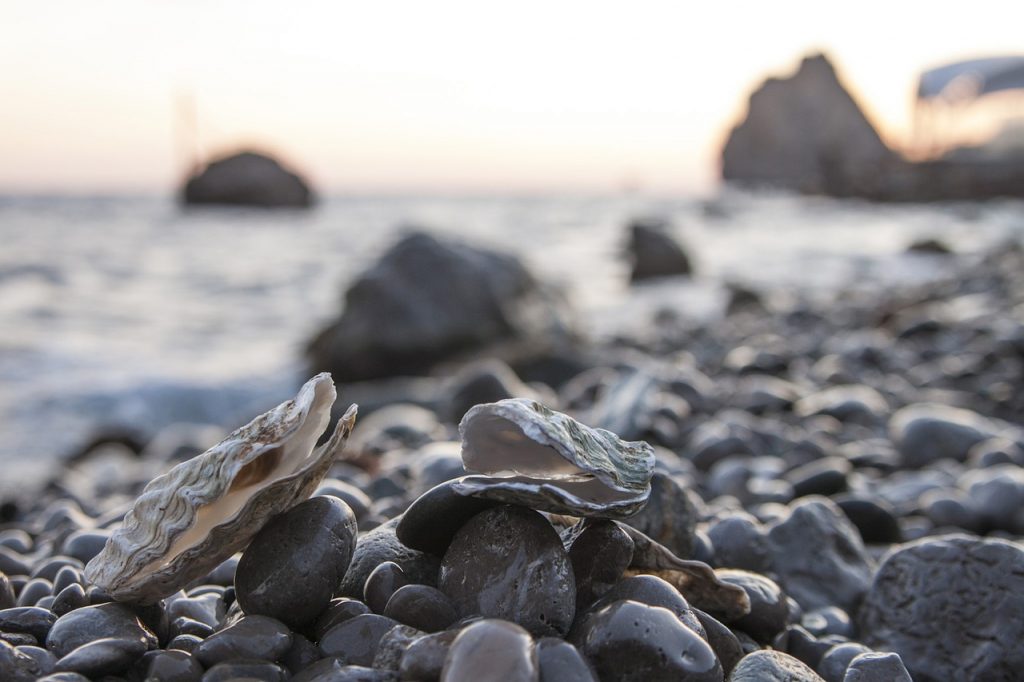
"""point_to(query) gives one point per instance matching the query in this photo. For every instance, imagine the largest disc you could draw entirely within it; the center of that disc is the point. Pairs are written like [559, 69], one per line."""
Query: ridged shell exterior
[593, 472]
[134, 564]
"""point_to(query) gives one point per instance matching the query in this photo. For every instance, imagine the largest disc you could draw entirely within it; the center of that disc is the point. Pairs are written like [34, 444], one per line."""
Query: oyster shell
[536, 457]
[202, 511]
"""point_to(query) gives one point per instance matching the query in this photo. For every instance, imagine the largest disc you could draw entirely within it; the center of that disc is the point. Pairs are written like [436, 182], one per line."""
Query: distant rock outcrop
[428, 300]
[654, 252]
[806, 133]
[247, 179]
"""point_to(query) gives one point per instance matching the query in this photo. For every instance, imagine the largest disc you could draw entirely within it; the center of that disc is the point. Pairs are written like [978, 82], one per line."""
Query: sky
[118, 96]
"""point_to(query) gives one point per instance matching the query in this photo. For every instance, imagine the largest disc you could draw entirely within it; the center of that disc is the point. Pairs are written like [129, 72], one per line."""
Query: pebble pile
[814, 492]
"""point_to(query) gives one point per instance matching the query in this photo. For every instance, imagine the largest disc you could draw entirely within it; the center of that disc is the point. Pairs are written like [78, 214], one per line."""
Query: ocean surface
[135, 311]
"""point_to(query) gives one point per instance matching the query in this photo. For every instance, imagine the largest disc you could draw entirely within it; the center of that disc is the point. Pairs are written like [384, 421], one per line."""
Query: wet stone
[34, 590]
[68, 575]
[804, 646]
[769, 613]
[950, 606]
[174, 666]
[16, 666]
[207, 608]
[668, 517]
[392, 645]
[186, 643]
[249, 670]
[560, 661]
[876, 666]
[30, 619]
[338, 611]
[89, 623]
[424, 658]
[421, 606]
[433, 519]
[301, 654]
[491, 649]
[772, 666]
[255, 637]
[725, 645]
[380, 545]
[382, 582]
[741, 541]
[356, 640]
[833, 664]
[600, 552]
[509, 563]
[295, 563]
[188, 626]
[633, 642]
[102, 657]
[652, 591]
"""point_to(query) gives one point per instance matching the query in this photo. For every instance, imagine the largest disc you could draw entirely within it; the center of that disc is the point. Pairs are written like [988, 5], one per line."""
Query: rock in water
[429, 299]
[293, 566]
[248, 179]
[508, 562]
[806, 133]
[654, 252]
[951, 608]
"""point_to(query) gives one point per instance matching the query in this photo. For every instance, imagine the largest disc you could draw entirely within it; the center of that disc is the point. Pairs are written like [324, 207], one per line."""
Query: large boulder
[654, 252]
[806, 133]
[247, 179]
[429, 300]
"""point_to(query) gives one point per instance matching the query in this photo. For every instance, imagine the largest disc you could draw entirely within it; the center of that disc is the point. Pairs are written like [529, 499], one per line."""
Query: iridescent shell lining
[205, 509]
[536, 457]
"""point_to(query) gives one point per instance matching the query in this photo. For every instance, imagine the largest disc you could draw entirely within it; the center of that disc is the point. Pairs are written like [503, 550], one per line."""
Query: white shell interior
[276, 461]
[499, 447]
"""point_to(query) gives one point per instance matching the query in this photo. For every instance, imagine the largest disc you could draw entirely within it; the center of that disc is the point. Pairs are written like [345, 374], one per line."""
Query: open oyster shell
[202, 511]
[539, 458]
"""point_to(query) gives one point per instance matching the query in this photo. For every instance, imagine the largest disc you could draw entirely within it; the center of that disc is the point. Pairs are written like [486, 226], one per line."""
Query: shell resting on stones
[202, 511]
[546, 460]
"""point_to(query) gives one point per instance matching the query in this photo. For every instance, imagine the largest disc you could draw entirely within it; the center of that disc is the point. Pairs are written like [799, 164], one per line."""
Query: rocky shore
[835, 493]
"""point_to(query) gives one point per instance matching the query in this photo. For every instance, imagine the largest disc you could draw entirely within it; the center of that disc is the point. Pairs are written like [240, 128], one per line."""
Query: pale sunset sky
[444, 95]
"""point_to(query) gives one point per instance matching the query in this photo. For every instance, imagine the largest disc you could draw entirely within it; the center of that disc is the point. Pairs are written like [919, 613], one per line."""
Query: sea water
[136, 311]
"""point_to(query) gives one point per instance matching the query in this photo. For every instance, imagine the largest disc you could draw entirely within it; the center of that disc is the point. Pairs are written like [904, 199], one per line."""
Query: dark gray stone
[509, 563]
[430, 299]
[560, 661]
[250, 670]
[741, 541]
[34, 590]
[925, 433]
[950, 607]
[247, 178]
[7, 598]
[819, 557]
[16, 666]
[393, 644]
[102, 657]
[651, 591]
[301, 654]
[830, 620]
[668, 517]
[382, 582]
[600, 552]
[380, 545]
[293, 566]
[424, 659]
[723, 642]
[89, 623]
[633, 642]
[43, 658]
[30, 619]
[254, 637]
[433, 519]
[356, 640]
[338, 611]
[769, 613]
[834, 662]
[877, 667]
[874, 518]
[654, 252]
[826, 476]
[772, 666]
[491, 650]
[422, 607]
[174, 666]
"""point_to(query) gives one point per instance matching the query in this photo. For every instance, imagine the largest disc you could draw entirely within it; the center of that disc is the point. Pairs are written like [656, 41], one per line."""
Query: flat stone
[509, 563]
[29, 619]
[252, 637]
[421, 606]
[293, 566]
[491, 649]
[355, 640]
[89, 623]
[772, 666]
[102, 657]
[950, 607]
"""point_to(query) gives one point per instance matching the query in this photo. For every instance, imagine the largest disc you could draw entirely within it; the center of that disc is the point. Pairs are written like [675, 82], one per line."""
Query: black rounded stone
[380, 545]
[723, 642]
[90, 623]
[43, 658]
[253, 670]
[633, 642]
[874, 518]
[424, 658]
[433, 519]
[491, 649]
[355, 640]
[254, 637]
[769, 613]
[186, 643]
[301, 654]
[560, 661]
[669, 516]
[102, 657]
[174, 666]
[34, 590]
[295, 563]
[381, 584]
[30, 619]
[652, 591]
[84, 545]
[422, 607]
[52, 566]
[338, 611]
[509, 563]
[600, 552]
[832, 666]
[801, 644]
